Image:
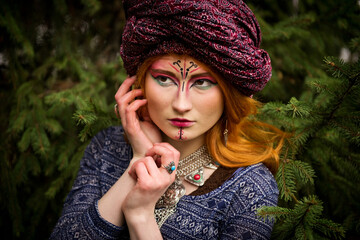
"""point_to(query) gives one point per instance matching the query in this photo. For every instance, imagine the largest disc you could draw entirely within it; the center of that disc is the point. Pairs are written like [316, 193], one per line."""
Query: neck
[186, 147]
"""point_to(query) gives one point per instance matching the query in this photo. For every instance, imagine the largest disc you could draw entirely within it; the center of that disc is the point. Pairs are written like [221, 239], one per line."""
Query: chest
[196, 219]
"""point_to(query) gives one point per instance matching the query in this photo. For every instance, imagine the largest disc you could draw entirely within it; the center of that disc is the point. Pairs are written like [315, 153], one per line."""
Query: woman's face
[184, 100]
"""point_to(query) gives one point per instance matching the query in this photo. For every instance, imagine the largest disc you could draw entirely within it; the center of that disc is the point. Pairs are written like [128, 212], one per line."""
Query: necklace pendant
[196, 177]
[211, 166]
[172, 195]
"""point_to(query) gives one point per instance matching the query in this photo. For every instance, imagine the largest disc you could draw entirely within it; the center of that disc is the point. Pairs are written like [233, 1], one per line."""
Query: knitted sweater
[228, 212]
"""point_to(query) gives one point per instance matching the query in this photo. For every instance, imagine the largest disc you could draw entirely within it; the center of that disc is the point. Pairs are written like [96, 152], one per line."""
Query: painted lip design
[181, 122]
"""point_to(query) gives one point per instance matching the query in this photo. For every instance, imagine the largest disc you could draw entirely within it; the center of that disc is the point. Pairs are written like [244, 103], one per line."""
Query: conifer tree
[325, 125]
[56, 57]
[311, 101]
[60, 68]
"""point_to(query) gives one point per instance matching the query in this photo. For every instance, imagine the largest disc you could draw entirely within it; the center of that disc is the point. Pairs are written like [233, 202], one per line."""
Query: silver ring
[116, 110]
[170, 168]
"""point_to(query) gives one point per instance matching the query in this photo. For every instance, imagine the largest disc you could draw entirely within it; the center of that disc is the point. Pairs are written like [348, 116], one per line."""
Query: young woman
[189, 161]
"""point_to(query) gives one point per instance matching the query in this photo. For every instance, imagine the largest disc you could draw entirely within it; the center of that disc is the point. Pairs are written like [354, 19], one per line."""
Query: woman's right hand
[141, 134]
[152, 180]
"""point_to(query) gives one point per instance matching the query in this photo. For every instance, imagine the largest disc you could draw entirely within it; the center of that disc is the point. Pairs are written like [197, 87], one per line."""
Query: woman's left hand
[152, 180]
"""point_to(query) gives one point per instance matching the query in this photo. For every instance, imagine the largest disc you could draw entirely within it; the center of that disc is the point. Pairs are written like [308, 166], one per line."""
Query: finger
[151, 166]
[125, 87]
[168, 154]
[141, 172]
[137, 168]
[127, 99]
[151, 178]
[162, 149]
[169, 147]
[132, 171]
[130, 96]
[131, 116]
[134, 106]
[157, 160]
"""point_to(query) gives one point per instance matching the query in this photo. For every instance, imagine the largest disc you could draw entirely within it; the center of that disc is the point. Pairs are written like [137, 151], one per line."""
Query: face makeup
[184, 100]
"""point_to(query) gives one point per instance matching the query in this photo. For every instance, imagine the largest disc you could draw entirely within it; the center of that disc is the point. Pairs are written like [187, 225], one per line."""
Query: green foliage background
[60, 68]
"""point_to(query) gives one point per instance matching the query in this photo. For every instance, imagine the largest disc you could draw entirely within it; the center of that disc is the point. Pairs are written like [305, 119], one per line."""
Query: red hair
[249, 141]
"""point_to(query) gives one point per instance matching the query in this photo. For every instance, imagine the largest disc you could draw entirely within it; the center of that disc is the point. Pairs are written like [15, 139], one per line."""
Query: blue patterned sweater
[228, 212]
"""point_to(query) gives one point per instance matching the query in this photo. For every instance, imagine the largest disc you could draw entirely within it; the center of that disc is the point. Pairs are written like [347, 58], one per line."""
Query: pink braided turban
[223, 34]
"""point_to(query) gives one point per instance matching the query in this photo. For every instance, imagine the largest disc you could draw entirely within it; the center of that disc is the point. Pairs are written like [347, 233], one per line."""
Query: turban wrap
[224, 34]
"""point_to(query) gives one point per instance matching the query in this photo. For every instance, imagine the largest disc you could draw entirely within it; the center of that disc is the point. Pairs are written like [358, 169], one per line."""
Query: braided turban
[223, 34]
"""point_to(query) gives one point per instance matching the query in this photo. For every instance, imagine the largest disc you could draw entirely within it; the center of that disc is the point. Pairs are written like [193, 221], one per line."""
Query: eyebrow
[163, 72]
[205, 74]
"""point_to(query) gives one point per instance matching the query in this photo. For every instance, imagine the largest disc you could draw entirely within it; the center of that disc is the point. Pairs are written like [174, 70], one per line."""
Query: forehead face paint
[192, 64]
[184, 71]
[180, 73]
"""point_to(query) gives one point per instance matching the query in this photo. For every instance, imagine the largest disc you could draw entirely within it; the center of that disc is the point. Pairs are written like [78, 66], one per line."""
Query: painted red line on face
[194, 70]
[177, 70]
[184, 69]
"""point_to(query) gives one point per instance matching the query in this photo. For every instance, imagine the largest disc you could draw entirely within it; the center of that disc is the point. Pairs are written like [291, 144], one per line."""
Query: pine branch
[13, 29]
[352, 132]
[276, 213]
[355, 44]
[287, 29]
[305, 172]
[303, 222]
[93, 118]
[338, 71]
[329, 228]
[286, 181]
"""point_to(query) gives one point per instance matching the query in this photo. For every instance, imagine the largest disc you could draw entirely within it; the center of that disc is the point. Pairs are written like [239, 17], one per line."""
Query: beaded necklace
[192, 169]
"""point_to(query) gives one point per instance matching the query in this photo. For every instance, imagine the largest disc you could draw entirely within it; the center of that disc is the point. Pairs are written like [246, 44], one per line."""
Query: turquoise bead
[173, 168]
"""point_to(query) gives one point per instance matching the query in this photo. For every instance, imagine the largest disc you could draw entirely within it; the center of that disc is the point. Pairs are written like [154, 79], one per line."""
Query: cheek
[157, 98]
[153, 101]
[212, 106]
[155, 109]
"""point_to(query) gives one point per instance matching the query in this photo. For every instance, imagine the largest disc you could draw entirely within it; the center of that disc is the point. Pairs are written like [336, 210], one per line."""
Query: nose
[182, 103]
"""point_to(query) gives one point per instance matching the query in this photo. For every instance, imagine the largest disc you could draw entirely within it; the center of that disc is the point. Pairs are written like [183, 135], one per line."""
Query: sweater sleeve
[80, 218]
[255, 191]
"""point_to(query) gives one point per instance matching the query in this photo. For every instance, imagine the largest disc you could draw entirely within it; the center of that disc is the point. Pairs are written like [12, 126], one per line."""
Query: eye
[163, 80]
[203, 84]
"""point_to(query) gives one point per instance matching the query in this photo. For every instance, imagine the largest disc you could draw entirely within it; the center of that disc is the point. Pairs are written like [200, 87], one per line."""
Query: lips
[181, 122]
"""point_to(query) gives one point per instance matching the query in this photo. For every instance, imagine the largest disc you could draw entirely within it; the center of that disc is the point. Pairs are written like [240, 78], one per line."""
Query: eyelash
[209, 84]
[161, 77]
